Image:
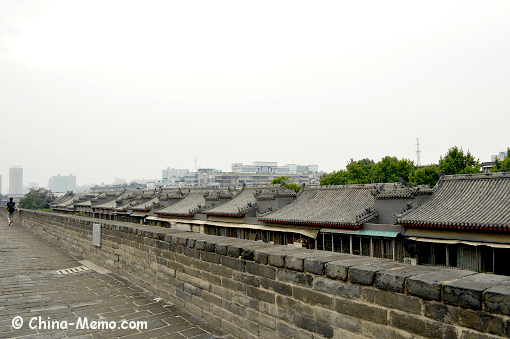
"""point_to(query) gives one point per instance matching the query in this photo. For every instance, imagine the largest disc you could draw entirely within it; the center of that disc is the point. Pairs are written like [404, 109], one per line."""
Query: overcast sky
[100, 89]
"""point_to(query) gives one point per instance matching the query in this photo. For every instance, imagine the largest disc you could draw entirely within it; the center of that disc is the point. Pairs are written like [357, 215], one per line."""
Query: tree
[279, 180]
[428, 175]
[456, 162]
[502, 165]
[366, 171]
[37, 199]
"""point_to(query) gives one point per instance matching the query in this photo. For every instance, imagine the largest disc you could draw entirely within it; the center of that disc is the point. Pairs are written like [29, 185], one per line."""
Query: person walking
[11, 208]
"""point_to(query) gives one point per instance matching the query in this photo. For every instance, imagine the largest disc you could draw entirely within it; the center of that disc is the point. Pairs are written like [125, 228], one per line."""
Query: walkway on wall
[40, 280]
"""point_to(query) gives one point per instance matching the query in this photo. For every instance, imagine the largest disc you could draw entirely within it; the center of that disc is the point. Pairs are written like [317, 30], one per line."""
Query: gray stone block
[277, 258]
[429, 285]
[365, 274]
[394, 279]
[336, 287]
[312, 297]
[339, 269]
[421, 326]
[313, 326]
[261, 270]
[497, 299]
[236, 264]
[297, 278]
[317, 263]
[468, 291]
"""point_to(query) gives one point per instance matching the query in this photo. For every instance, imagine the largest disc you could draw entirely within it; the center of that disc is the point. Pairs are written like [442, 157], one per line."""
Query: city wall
[252, 289]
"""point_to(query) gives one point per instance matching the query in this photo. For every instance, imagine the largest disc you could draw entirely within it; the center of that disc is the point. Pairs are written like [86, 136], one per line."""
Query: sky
[105, 89]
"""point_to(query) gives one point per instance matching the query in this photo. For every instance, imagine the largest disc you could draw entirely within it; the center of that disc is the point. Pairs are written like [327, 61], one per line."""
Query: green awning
[379, 234]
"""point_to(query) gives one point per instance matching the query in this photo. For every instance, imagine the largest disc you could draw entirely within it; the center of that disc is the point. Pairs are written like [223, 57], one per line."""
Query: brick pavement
[30, 287]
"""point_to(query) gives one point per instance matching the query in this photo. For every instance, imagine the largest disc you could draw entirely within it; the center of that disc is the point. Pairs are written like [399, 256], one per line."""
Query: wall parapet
[254, 289]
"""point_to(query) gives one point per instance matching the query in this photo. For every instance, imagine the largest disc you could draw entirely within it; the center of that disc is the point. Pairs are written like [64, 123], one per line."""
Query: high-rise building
[62, 183]
[16, 180]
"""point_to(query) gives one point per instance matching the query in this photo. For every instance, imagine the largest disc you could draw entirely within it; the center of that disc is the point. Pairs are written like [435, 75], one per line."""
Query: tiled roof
[469, 201]
[400, 191]
[327, 206]
[65, 202]
[272, 192]
[146, 206]
[191, 204]
[242, 203]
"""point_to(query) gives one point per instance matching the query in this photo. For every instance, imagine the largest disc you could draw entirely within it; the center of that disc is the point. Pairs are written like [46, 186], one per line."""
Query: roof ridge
[477, 176]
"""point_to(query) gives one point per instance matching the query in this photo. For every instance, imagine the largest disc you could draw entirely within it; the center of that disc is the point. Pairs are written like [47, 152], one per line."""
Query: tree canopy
[37, 198]
[502, 165]
[279, 180]
[456, 162]
[391, 169]
[366, 171]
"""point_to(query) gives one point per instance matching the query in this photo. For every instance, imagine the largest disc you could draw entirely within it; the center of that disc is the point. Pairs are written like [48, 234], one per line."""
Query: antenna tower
[195, 163]
[418, 161]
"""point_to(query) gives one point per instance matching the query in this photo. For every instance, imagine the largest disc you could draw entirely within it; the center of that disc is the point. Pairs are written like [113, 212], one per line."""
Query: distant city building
[119, 181]
[262, 179]
[16, 180]
[62, 183]
[171, 174]
[487, 165]
[33, 185]
[272, 167]
[501, 156]
[0, 185]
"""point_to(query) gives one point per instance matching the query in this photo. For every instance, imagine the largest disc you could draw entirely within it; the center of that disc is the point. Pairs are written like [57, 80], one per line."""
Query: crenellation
[254, 289]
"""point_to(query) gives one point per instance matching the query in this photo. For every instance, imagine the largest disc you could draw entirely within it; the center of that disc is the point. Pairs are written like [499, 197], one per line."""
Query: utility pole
[418, 161]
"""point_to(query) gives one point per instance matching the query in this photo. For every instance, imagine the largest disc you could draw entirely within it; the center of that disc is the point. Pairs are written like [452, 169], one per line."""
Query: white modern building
[62, 183]
[16, 180]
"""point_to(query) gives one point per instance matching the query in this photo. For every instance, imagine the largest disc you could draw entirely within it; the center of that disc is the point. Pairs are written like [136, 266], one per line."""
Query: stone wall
[252, 289]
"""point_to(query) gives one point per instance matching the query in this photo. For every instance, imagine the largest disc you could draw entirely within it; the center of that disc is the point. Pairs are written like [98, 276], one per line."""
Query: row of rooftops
[476, 202]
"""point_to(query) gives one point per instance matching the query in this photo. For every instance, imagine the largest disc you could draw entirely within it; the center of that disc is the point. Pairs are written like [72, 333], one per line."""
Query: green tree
[279, 180]
[456, 162]
[390, 169]
[37, 198]
[366, 171]
[428, 175]
[502, 165]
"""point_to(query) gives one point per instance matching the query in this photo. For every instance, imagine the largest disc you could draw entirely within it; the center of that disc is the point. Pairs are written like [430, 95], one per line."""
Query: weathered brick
[262, 270]
[429, 285]
[313, 297]
[497, 299]
[361, 310]
[346, 322]
[260, 294]
[234, 307]
[312, 325]
[247, 279]
[468, 291]
[294, 305]
[292, 332]
[466, 318]
[210, 257]
[297, 278]
[392, 300]
[261, 318]
[336, 287]
[339, 269]
[236, 264]
[246, 301]
[372, 330]
[276, 286]
[420, 325]
[394, 279]
[365, 274]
